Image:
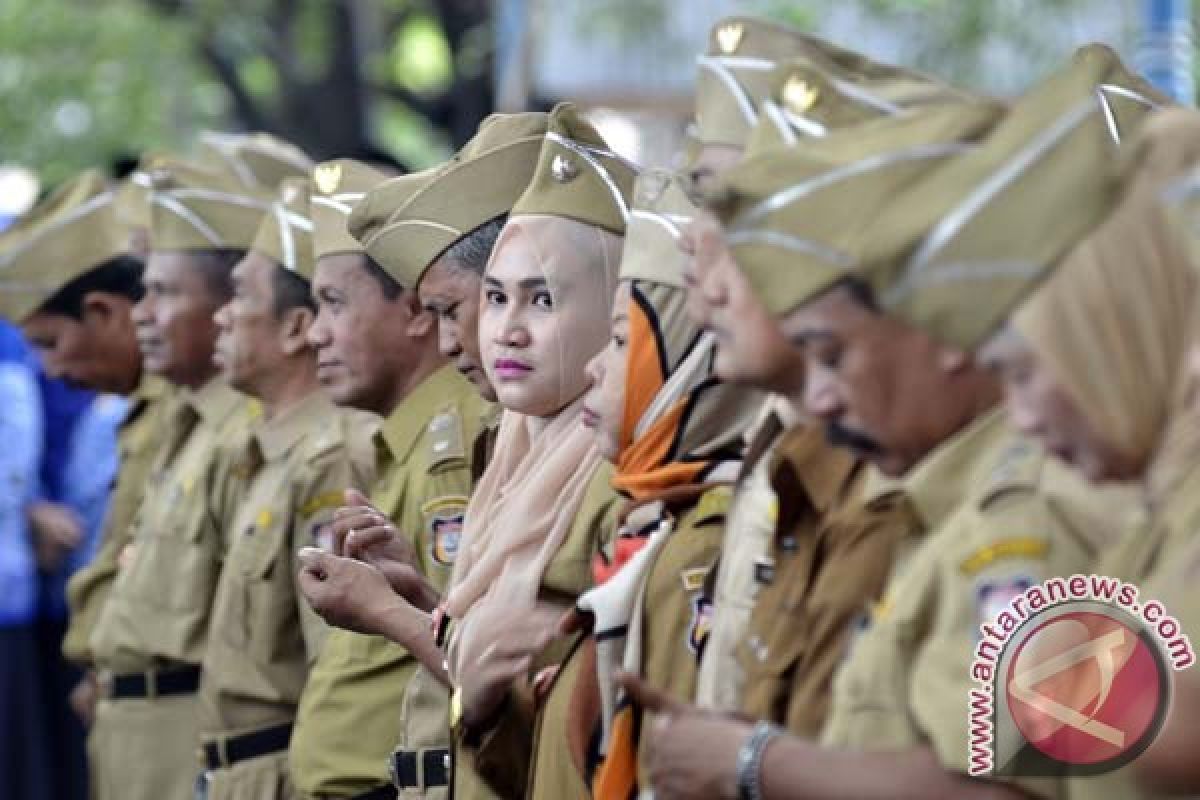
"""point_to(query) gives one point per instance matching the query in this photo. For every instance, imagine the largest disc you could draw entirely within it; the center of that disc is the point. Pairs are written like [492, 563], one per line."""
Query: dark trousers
[25, 764]
[66, 739]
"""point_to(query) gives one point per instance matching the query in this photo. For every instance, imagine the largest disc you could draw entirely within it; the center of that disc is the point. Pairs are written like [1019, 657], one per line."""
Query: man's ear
[293, 332]
[421, 321]
[103, 309]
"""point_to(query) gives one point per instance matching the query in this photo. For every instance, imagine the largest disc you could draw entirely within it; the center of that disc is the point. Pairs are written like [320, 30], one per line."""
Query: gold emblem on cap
[799, 95]
[327, 177]
[729, 36]
[563, 169]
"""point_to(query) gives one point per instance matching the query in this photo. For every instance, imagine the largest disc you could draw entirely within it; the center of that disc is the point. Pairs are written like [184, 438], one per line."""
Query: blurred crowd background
[86, 82]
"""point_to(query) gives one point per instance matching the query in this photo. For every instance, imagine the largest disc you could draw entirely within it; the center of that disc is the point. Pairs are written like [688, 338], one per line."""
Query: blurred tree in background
[83, 82]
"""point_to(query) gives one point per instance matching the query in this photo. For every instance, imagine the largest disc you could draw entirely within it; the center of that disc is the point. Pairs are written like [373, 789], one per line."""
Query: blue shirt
[88, 472]
[20, 460]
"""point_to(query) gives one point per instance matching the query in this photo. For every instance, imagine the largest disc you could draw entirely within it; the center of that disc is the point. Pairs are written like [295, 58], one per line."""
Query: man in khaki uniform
[898, 384]
[439, 239]
[303, 453]
[377, 351]
[805, 90]
[152, 633]
[72, 284]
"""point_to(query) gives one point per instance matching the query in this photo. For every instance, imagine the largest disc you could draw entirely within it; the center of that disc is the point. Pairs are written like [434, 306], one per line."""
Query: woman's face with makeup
[533, 324]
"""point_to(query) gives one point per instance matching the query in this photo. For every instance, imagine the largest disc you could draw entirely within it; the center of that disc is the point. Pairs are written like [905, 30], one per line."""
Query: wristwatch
[750, 758]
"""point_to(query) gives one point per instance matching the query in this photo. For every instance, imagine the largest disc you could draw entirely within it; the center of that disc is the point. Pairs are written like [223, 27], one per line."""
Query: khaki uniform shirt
[830, 557]
[1161, 556]
[515, 758]
[138, 441]
[264, 634]
[425, 711]
[675, 610]
[1000, 517]
[748, 532]
[158, 612]
[348, 720]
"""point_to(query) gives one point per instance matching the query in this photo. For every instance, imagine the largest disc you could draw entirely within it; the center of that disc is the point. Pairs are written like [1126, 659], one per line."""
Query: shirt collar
[404, 426]
[276, 437]
[215, 401]
[938, 484]
[822, 470]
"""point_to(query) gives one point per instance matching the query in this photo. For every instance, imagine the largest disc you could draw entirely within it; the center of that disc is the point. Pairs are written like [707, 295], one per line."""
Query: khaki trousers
[144, 749]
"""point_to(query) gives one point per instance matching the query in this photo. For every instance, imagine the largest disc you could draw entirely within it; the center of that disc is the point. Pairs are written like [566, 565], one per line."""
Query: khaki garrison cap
[70, 233]
[806, 101]
[793, 217]
[661, 210]
[336, 188]
[406, 230]
[737, 73]
[956, 253]
[285, 235]
[67, 194]
[193, 207]
[259, 161]
[578, 176]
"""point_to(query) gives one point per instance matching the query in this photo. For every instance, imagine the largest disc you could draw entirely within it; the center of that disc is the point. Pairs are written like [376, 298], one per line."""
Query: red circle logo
[1085, 688]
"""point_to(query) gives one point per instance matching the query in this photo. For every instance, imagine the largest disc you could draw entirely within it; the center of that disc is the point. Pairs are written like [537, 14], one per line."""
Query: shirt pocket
[176, 553]
[259, 596]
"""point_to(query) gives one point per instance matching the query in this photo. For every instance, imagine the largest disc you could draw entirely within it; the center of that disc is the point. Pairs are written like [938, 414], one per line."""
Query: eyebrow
[810, 336]
[524, 283]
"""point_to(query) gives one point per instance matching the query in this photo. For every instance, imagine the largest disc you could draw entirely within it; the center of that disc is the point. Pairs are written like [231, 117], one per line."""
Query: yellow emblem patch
[1026, 547]
[693, 579]
[263, 520]
[332, 499]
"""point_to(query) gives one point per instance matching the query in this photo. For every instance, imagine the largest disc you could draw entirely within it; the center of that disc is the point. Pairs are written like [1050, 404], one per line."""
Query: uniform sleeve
[1014, 542]
[852, 579]
[434, 518]
[312, 523]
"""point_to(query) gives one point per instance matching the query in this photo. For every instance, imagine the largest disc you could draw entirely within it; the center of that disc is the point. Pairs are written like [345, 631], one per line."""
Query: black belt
[235, 749]
[434, 768]
[155, 683]
[382, 793]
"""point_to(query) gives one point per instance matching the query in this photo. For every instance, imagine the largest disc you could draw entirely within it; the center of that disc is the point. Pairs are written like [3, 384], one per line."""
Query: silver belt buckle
[202, 783]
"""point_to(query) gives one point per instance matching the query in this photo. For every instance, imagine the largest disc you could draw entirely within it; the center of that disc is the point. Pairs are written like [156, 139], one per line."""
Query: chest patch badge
[444, 519]
[701, 624]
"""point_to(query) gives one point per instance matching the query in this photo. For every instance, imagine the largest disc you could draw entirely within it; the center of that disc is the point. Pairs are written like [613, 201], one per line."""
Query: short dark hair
[291, 291]
[390, 287]
[121, 275]
[217, 265]
[860, 291]
[472, 251]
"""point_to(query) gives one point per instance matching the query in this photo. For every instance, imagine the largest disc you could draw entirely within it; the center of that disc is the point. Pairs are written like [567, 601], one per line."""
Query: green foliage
[420, 57]
[81, 83]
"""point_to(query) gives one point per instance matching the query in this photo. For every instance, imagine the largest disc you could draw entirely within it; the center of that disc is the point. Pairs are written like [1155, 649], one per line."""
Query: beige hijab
[1115, 322]
[525, 504]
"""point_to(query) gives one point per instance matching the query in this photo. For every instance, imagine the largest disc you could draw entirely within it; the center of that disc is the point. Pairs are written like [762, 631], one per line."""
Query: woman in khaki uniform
[675, 436]
[525, 556]
[1097, 369]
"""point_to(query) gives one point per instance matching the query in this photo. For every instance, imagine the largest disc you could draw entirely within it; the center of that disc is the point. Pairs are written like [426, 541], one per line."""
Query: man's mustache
[839, 435]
